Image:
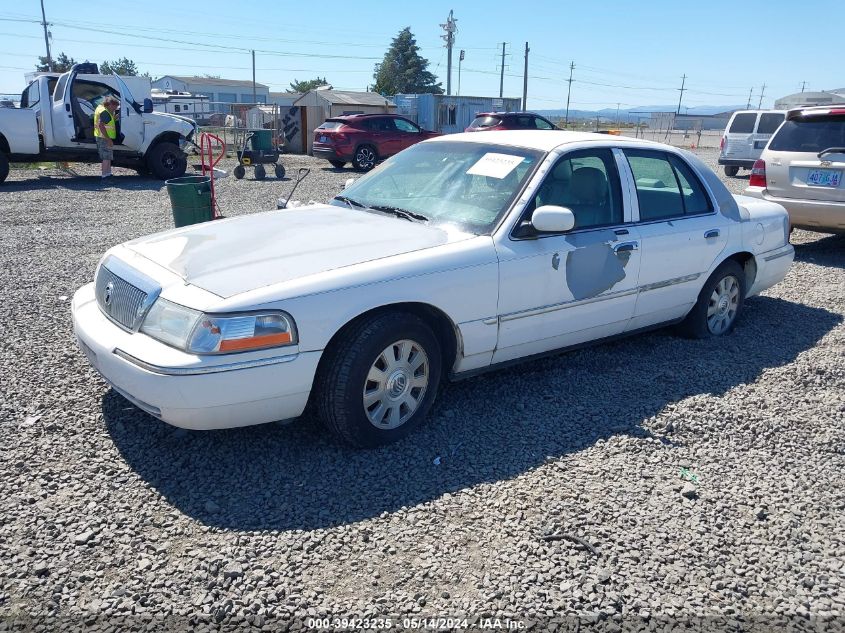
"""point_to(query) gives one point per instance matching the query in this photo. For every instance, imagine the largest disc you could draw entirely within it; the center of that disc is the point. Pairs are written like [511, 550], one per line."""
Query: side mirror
[148, 106]
[551, 218]
[348, 182]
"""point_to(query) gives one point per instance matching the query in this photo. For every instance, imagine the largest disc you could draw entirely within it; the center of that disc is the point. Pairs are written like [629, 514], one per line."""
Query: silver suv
[803, 168]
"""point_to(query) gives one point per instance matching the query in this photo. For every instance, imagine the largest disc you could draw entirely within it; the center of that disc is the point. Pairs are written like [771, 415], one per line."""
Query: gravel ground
[671, 479]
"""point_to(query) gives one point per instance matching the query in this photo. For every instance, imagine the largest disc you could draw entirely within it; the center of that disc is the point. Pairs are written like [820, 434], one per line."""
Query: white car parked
[456, 256]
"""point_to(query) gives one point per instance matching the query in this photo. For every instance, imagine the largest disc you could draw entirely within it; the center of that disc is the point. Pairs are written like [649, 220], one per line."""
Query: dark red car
[365, 139]
[487, 121]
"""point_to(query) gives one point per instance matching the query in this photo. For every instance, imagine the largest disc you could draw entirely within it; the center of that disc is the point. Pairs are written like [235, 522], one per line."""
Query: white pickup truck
[55, 121]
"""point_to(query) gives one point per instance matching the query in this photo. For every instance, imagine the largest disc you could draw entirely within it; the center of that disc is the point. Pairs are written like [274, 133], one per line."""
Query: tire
[260, 172]
[4, 167]
[365, 158]
[279, 170]
[719, 303]
[731, 170]
[350, 400]
[167, 161]
[337, 164]
[239, 172]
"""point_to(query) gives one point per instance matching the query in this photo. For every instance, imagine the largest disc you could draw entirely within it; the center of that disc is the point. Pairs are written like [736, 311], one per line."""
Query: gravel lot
[111, 519]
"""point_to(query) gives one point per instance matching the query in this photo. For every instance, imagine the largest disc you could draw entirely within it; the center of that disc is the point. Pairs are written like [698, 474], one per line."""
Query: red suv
[486, 121]
[365, 139]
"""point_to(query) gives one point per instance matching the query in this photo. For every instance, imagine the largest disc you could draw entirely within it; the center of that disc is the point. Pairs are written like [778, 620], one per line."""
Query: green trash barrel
[262, 140]
[190, 199]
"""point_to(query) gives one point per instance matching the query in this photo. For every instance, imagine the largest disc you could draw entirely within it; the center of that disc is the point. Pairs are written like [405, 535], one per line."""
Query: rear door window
[743, 123]
[810, 135]
[485, 121]
[541, 124]
[769, 122]
[666, 186]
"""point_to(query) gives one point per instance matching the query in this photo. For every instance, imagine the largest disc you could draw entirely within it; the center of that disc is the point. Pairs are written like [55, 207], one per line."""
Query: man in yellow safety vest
[105, 131]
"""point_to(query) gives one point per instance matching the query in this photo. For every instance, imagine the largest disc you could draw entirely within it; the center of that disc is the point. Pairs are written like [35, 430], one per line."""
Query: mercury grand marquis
[458, 255]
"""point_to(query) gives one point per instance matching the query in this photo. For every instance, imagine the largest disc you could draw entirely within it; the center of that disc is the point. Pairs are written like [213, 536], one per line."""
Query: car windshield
[469, 185]
[485, 121]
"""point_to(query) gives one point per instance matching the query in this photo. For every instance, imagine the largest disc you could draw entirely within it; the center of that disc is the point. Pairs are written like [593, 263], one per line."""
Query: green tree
[305, 86]
[403, 69]
[61, 64]
[123, 66]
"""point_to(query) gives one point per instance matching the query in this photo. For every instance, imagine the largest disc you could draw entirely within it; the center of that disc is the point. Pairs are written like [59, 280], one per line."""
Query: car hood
[237, 255]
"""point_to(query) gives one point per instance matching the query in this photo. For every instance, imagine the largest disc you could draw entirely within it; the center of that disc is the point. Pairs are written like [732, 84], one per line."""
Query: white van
[746, 136]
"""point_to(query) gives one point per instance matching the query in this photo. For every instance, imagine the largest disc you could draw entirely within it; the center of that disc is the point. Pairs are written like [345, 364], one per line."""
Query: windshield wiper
[351, 202]
[831, 150]
[401, 213]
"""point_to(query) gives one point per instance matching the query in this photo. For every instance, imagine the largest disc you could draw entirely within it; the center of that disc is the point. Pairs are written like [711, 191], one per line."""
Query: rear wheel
[239, 172]
[279, 170]
[719, 303]
[166, 161]
[260, 172]
[731, 170]
[337, 164]
[365, 158]
[4, 167]
[379, 380]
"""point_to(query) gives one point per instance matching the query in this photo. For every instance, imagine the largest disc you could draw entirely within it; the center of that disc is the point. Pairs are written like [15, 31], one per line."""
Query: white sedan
[456, 256]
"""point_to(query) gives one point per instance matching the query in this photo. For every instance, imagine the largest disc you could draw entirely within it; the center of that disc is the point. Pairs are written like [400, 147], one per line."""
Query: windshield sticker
[495, 165]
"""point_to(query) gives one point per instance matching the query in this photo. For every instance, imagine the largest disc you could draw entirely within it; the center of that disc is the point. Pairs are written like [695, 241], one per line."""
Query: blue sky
[624, 52]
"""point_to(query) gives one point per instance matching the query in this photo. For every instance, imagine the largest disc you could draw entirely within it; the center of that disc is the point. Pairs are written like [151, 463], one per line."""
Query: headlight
[237, 333]
[200, 333]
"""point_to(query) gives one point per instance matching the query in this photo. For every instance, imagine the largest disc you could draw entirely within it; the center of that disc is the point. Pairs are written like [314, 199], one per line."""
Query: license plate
[324, 139]
[824, 177]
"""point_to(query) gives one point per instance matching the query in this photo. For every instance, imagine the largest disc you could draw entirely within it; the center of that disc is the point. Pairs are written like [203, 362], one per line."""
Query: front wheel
[239, 172]
[731, 170]
[365, 158]
[167, 161]
[378, 382]
[279, 170]
[719, 303]
[260, 172]
[4, 167]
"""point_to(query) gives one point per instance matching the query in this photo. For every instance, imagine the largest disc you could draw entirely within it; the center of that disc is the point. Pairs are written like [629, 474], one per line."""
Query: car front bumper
[826, 216]
[187, 391]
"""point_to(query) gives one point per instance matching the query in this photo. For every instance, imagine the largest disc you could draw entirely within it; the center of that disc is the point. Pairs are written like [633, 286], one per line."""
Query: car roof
[831, 108]
[370, 115]
[543, 140]
[503, 114]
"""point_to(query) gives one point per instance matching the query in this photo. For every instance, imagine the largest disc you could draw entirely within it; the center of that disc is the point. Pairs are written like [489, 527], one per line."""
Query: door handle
[711, 233]
[625, 247]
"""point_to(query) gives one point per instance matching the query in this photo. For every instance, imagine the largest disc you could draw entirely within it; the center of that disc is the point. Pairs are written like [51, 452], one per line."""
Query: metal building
[221, 92]
[825, 97]
[450, 114]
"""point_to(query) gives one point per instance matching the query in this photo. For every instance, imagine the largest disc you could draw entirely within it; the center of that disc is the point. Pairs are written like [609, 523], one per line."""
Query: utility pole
[750, 92]
[525, 80]
[450, 27]
[460, 59]
[683, 81]
[568, 93]
[254, 95]
[46, 37]
[502, 76]
[762, 92]
[617, 114]
[803, 83]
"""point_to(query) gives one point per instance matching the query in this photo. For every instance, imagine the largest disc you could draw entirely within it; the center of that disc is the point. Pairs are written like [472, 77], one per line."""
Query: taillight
[722, 144]
[340, 138]
[758, 174]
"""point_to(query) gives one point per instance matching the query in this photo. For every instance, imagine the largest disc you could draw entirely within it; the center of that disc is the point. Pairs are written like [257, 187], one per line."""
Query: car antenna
[283, 202]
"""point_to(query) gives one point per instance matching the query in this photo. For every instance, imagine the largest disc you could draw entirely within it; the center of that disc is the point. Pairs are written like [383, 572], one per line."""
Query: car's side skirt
[455, 377]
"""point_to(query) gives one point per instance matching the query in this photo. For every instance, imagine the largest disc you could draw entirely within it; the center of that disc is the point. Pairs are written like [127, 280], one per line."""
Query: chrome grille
[123, 302]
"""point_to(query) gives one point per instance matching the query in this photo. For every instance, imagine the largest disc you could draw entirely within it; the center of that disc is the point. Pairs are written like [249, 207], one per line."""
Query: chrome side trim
[490, 321]
[788, 251]
[566, 304]
[670, 282]
[198, 371]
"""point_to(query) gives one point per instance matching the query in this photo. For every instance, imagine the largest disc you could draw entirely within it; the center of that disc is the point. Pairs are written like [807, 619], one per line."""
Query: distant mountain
[632, 114]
